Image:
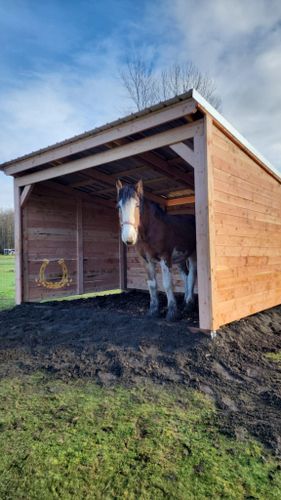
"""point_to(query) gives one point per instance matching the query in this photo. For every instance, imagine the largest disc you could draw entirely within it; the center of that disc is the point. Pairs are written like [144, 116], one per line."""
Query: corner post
[79, 247]
[18, 243]
[203, 178]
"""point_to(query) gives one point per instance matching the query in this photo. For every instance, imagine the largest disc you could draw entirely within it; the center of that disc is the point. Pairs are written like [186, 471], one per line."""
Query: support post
[79, 247]
[18, 243]
[122, 264]
[203, 180]
[26, 192]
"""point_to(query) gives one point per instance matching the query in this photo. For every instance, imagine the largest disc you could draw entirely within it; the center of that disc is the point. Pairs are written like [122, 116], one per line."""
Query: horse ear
[118, 185]
[139, 187]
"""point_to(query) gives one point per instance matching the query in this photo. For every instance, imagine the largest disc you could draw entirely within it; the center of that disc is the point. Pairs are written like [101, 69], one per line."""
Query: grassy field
[77, 440]
[7, 281]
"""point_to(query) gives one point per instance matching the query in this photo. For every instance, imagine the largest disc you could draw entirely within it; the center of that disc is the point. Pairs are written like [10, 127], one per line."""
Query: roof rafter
[107, 179]
[159, 140]
[116, 130]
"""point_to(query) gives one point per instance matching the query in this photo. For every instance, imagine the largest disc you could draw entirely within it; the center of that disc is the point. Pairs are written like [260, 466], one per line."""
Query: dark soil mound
[110, 339]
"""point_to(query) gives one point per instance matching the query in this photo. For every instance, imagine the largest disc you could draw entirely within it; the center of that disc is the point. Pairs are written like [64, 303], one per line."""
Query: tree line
[6, 229]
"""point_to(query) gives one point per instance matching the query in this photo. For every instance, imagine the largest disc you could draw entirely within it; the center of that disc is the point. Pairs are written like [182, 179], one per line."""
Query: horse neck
[146, 219]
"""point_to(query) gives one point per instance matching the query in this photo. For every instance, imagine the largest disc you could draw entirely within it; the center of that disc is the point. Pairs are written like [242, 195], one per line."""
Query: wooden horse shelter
[191, 160]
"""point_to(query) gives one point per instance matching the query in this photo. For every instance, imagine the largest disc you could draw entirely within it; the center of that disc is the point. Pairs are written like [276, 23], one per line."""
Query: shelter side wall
[247, 238]
[50, 231]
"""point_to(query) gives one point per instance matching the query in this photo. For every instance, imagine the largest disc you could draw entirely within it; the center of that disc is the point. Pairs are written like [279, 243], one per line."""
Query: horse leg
[184, 271]
[172, 314]
[190, 282]
[152, 287]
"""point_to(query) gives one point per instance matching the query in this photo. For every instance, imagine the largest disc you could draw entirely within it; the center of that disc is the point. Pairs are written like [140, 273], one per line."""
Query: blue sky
[60, 63]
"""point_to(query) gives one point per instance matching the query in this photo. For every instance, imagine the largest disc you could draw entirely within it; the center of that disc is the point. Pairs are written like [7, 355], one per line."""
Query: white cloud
[52, 108]
[238, 44]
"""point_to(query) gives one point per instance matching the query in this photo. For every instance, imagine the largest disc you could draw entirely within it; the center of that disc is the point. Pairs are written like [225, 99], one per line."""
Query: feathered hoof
[189, 308]
[173, 314]
[153, 313]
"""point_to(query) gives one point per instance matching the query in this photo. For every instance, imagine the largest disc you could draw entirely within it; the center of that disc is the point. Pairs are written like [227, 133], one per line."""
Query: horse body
[159, 237]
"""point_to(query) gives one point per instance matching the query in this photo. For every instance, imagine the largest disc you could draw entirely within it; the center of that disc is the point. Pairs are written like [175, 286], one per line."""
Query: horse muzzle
[129, 234]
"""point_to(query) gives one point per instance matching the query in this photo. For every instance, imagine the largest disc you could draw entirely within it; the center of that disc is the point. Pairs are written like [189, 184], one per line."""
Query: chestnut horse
[159, 237]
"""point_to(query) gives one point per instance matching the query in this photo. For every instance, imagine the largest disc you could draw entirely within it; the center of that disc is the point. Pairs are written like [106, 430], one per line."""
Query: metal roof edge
[232, 130]
[100, 128]
[192, 93]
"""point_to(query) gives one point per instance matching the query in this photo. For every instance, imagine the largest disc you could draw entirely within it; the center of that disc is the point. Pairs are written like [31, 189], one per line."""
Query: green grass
[7, 281]
[78, 440]
[274, 356]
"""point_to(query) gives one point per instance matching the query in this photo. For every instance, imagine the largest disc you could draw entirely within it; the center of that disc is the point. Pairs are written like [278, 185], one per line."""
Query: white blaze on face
[129, 232]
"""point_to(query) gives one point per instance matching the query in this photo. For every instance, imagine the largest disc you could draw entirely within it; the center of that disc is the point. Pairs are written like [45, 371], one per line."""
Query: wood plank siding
[58, 227]
[247, 239]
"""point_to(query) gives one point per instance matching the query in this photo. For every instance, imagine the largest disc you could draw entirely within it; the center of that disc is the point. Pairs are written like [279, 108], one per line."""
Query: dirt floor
[110, 339]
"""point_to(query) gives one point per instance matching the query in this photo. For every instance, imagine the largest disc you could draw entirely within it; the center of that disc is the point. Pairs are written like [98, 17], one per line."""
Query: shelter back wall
[50, 231]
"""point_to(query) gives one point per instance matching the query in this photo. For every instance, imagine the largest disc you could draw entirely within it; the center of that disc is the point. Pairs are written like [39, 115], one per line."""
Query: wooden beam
[132, 126]
[94, 176]
[89, 181]
[27, 190]
[128, 172]
[185, 200]
[203, 177]
[162, 166]
[108, 179]
[177, 193]
[166, 138]
[79, 246]
[185, 153]
[18, 243]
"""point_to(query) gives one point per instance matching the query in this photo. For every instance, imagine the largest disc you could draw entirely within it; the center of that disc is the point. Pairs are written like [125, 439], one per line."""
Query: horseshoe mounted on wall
[42, 281]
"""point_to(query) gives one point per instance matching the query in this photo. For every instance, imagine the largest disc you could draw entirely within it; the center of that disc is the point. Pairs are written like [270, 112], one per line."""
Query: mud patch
[111, 340]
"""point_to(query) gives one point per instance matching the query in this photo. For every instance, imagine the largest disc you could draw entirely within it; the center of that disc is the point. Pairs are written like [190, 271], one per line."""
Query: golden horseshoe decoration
[65, 281]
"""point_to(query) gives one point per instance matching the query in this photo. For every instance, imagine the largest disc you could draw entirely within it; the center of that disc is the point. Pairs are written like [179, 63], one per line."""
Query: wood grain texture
[247, 225]
[18, 244]
[204, 212]
[56, 226]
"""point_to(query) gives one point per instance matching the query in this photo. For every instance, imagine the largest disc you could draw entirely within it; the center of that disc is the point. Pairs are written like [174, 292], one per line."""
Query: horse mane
[157, 210]
[128, 191]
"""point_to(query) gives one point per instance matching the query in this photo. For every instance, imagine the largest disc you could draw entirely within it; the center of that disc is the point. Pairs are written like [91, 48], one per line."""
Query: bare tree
[146, 87]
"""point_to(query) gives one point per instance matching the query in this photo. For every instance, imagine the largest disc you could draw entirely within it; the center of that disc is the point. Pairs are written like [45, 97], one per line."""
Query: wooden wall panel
[51, 231]
[247, 240]
[101, 249]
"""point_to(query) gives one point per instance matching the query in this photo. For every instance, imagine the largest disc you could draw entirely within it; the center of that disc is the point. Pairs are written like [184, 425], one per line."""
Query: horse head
[129, 202]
